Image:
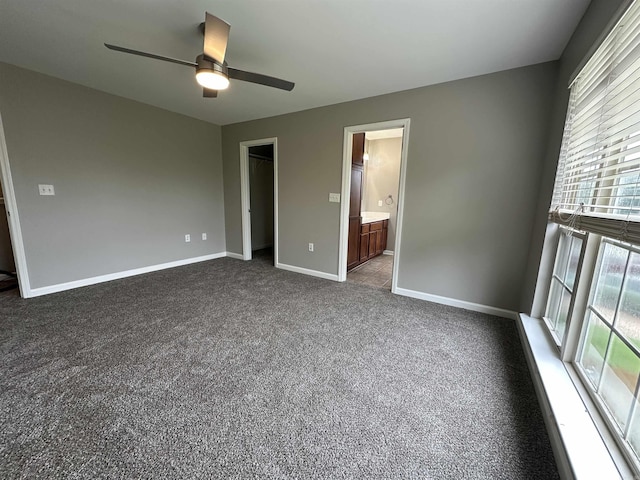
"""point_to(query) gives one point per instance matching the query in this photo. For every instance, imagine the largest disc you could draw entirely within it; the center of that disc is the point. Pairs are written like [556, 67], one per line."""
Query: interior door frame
[245, 191]
[13, 219]
[403, 123]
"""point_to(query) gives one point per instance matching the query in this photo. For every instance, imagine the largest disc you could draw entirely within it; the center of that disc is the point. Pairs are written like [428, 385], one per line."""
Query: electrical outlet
[187, 238]
[46, 190]
[379, 203]
[311, 247]
[204, 236]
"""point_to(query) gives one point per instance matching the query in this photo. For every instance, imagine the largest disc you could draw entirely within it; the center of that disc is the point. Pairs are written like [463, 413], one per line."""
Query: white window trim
[583, 449]
[581, 439]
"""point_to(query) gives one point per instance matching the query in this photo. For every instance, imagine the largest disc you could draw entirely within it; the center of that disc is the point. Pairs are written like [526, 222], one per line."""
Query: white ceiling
[334, 50]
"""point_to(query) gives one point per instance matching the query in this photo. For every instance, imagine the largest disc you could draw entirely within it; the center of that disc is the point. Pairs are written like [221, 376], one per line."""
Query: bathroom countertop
[368, 217]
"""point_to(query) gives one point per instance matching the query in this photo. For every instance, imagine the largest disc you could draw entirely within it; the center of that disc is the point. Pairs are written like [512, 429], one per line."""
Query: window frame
[591, 194]
[562, 230]
[602, 409]
[622, 456]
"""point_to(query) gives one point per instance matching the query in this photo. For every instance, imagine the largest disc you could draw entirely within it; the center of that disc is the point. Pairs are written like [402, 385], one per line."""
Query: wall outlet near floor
[46, 190]
[187, 238]
[311, 247]
[204, 236]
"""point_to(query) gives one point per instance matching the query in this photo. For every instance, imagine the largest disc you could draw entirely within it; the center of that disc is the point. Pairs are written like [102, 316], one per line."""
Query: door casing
[245, 189]
[13, 218]
[403, 123]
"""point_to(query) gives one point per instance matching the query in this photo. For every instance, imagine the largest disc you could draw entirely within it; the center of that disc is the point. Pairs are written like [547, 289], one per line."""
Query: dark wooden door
[364, 246]
[356, 192]
[379, 243]
[357, 152]
[373, 242]
[353, 248]
[385, 232]
[355, 200]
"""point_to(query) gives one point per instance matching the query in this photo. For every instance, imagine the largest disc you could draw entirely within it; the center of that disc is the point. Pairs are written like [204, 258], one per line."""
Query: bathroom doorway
[258, 172]
[373, 185]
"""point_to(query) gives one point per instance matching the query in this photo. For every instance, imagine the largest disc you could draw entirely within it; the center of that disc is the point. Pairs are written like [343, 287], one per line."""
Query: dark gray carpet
[231, 369]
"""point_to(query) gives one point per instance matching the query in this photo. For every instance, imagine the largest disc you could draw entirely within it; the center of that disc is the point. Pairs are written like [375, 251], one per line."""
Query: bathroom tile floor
[375, 272]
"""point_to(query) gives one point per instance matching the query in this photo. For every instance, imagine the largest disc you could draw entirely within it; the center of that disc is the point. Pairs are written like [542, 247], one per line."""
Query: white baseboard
[306, 271]
[388, 252]
[60, 287]
[476, 307]
[234, 255]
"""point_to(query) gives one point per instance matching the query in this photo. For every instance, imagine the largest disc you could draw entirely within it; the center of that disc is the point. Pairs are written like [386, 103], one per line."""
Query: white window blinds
[599, 168]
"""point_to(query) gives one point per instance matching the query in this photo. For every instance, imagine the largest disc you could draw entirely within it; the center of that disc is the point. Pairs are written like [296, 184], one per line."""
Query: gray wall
[6, 253]
[595, 20]
[474, 158]
[381, 179]
[261, 195]
[130, 179]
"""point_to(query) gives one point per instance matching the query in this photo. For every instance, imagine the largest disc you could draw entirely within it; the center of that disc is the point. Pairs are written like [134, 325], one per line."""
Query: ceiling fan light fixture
[212, 80]
[211, 74]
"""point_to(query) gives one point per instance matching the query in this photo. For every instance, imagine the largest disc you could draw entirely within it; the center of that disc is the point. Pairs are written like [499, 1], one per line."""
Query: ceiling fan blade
[209, 93]
[149, 55]
[216, 35]
[260, 79]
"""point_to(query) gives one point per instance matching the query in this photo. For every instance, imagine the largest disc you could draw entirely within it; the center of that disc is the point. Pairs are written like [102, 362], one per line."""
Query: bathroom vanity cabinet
[373, 239]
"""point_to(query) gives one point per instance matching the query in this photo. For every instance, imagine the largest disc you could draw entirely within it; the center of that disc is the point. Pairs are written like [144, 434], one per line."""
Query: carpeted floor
[231, 369]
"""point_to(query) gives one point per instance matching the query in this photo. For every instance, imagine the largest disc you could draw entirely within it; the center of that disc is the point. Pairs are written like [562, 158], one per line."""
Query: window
[563, 281]
[609, 352]
[592, 295]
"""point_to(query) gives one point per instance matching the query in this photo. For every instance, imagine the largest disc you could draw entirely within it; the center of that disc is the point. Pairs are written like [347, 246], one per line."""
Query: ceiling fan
[212, 72]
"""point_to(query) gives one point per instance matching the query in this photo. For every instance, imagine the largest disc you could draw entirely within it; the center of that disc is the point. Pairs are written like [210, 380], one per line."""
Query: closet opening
[258, 172]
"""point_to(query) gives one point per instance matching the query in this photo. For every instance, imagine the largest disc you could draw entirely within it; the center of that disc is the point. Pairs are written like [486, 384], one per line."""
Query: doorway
[373, 192]
[258, 177]
[13, 265]
[8, 276]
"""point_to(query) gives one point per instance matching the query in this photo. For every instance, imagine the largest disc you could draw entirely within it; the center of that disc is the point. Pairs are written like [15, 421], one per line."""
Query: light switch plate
[334, 197]
[46, 189]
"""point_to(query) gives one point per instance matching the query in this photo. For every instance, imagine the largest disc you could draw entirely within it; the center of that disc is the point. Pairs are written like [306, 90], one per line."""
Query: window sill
[580, 450]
